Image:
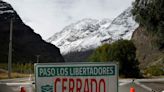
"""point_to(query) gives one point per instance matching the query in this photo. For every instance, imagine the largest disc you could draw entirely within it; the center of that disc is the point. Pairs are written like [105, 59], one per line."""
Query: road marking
[150, 80]
[121, 84]
[143, 86]
[17, 84]
[125, 81]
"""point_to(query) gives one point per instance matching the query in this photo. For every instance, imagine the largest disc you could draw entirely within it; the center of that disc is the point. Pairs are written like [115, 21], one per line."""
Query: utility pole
[37, 56]
[10, 50]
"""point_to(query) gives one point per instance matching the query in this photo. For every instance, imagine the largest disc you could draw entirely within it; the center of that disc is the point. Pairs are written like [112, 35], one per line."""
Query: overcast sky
[49, 16]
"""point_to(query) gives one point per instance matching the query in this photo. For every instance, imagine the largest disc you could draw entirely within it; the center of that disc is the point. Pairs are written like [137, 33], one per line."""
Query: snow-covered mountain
[5, 8]
[90, 33]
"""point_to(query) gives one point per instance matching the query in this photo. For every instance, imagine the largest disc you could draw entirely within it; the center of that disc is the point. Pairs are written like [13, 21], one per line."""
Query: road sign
[76, 77]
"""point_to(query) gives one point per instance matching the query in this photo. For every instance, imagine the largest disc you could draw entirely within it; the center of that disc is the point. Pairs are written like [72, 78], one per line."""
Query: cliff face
[147, 51]
[26, 43]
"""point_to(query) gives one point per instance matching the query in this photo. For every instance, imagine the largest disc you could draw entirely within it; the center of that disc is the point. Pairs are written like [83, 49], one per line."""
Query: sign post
[76, 77]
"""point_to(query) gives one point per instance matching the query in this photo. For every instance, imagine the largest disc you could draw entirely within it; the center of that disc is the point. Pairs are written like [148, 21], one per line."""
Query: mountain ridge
[90, 33]
[26, 43]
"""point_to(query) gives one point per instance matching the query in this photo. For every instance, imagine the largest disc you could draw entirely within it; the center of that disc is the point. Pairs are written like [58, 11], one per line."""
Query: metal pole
[37, 58]
[10, 50]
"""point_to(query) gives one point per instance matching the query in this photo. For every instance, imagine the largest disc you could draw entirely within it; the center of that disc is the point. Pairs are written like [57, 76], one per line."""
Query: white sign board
[76, 77]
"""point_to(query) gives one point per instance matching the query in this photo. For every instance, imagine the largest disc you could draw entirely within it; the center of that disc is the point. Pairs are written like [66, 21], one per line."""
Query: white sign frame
[43, 77]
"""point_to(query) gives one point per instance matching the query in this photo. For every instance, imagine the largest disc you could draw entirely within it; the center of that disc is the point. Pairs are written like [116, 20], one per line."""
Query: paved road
[14, 85]
[157, 86]
[5, 88]
[124, 86]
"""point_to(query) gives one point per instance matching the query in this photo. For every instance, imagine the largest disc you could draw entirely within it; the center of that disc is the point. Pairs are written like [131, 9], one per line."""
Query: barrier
[22, 89]
[132, 89]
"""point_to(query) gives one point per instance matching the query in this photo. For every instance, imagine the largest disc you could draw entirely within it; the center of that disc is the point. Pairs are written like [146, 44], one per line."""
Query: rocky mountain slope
[88, 34]
[26, 43]
[147, 53]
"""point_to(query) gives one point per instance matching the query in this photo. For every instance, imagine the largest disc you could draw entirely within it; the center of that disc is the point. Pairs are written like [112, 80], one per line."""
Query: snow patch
[90, 33]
